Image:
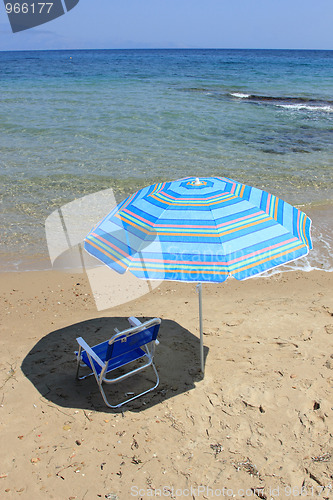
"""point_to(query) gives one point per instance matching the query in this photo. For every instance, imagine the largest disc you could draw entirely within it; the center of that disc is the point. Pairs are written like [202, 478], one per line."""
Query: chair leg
[133, 397]
[78, 361]
[81, 364]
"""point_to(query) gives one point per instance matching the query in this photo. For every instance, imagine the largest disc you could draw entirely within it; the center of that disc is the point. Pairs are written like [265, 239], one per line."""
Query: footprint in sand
[282, 401]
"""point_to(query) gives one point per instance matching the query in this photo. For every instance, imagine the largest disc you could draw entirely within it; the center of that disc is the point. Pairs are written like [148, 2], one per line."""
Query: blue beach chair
[126, 349]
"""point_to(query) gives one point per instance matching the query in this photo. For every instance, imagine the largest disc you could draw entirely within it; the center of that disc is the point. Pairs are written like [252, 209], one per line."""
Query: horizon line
[161, 48]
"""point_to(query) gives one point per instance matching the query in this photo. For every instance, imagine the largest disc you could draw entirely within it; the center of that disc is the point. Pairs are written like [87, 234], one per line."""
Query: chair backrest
[128, 340]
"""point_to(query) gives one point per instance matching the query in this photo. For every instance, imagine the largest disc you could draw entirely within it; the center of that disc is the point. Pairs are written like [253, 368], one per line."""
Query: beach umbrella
[200, 230]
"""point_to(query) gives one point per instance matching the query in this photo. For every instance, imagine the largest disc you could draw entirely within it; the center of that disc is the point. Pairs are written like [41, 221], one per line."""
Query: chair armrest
[89, 351]
[134, 321]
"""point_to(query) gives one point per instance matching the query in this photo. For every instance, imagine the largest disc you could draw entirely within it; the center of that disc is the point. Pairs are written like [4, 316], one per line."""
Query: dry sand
[258, 425]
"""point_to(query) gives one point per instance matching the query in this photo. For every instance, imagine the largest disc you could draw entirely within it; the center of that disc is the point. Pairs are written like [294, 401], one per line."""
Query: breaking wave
[286, 102]
[240, 95]
[300, 107]
[292, 103]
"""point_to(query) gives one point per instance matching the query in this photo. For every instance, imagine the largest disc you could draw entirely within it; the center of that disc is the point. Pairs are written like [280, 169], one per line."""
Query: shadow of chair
[51, 365]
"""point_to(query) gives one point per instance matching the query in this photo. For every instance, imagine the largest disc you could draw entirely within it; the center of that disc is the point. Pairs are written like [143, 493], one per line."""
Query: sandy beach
[259, 424]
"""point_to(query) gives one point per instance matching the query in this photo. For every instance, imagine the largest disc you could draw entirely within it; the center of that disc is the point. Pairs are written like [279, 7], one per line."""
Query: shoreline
[320, 212]
[259, 419]
[299, 265]
[319, 258]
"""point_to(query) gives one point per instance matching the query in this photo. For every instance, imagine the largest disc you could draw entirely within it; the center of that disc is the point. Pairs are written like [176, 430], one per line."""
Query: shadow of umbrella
[51, 366]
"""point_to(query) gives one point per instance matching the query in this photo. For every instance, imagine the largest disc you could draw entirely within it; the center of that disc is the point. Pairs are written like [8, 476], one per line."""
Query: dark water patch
[273, 151]
[196, 89]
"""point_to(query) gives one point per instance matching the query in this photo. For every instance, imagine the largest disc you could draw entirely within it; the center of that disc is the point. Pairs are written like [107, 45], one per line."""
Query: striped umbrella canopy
[200, 230]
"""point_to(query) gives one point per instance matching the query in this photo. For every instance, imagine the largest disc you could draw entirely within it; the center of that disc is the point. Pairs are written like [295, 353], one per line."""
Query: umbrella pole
[199, 288]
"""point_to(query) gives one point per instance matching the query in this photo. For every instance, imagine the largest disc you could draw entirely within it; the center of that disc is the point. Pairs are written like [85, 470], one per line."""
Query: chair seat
[114, 363]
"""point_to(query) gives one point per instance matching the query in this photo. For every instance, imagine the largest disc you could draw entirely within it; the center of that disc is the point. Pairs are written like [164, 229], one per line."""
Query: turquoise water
[76, 122]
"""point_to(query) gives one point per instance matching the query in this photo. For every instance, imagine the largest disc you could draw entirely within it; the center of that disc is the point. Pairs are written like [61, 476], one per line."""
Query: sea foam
[240, 95]
[306, 107]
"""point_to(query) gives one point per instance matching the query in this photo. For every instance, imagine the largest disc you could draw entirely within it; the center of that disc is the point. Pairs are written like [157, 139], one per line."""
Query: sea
[81, 122]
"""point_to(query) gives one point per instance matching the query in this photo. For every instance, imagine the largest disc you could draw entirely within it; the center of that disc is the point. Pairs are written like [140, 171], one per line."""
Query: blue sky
[107, 24]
